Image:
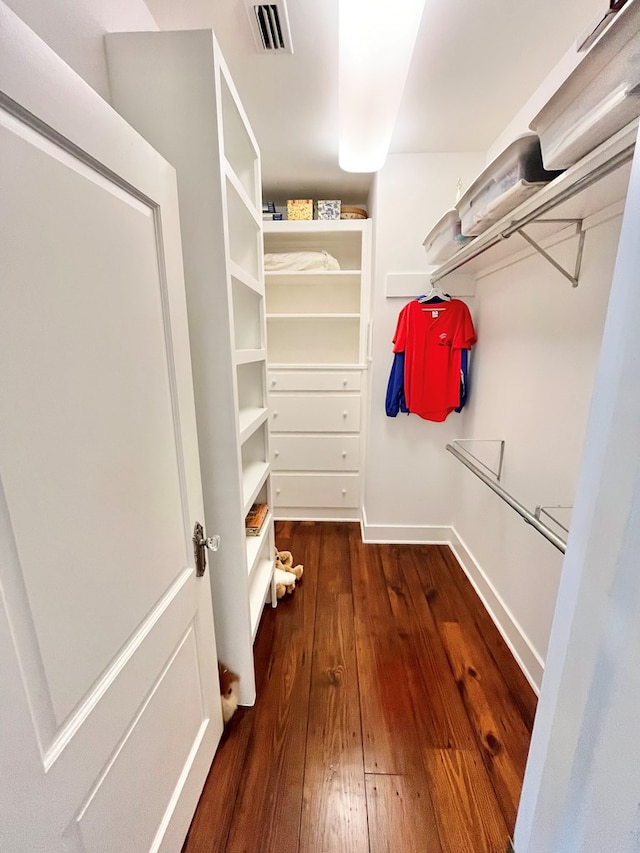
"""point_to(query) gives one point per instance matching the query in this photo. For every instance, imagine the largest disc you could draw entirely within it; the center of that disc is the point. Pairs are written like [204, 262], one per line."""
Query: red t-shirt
[431, 335]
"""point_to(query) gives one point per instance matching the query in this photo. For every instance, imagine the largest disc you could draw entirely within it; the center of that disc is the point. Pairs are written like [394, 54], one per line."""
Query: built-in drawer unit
[315, 452]
[315, 413]
[283, 380]
[316, 490]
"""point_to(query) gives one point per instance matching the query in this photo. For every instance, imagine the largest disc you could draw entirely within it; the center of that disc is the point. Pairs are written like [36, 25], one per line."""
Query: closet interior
[296, 352]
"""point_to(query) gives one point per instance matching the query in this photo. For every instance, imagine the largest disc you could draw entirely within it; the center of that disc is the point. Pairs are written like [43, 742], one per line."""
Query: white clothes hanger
[435, 291]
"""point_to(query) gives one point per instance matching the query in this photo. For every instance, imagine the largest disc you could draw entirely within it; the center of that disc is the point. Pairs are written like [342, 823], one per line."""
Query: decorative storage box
[598, 98]
[328, 208]
[444, 239]
[512, 177]
[348, 211]
[300, 208]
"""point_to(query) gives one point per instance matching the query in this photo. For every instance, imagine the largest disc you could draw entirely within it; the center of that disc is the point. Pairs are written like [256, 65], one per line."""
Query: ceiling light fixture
[375, 44]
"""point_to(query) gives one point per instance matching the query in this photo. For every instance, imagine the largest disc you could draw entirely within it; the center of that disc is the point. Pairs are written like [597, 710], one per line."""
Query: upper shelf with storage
[596, 182]
[317, 316]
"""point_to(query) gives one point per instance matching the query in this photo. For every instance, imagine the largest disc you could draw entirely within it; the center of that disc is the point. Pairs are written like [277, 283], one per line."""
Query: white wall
[582, 783]
[531, 384]
[406, 479]
[74, 29]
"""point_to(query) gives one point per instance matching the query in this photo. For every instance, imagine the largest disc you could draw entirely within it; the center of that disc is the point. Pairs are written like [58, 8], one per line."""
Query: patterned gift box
[300, 208]
[328, 208]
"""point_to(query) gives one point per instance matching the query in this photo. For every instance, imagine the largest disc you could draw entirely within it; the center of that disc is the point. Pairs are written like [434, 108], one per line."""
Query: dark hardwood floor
[390, 714]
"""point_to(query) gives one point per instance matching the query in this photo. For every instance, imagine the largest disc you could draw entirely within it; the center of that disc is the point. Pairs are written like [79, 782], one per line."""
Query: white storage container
[444, 239]
[599, 97]
[513, 176]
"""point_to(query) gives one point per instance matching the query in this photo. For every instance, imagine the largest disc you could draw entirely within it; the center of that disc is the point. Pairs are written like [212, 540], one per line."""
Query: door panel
[110, 711]
[92, 468]
[144, 763]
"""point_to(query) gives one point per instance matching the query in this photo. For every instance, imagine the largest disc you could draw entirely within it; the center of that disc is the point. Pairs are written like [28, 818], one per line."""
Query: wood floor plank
[401, 816]
[521, 691]
[394, 635]
[387, 708]
[452, 599]
[441, 717]
[269, 803]
[212, 820]
[334, 813]
[502, 736]
[435, 575]
[468, 816]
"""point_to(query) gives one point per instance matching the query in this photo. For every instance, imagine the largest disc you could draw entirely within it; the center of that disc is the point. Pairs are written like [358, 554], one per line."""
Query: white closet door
[109, 713]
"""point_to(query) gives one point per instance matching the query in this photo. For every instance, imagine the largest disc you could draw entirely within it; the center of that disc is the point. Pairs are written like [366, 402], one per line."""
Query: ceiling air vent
[270, 25]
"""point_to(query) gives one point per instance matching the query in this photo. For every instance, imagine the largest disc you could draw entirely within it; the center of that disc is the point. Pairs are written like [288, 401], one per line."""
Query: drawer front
[315, 453]
[316, 490]
[315, 413]
[284, 380]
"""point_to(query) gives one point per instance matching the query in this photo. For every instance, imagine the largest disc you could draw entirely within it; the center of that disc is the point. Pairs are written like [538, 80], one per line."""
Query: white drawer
[315, 413]
[339, 380]
[315, 453]
[315, 490]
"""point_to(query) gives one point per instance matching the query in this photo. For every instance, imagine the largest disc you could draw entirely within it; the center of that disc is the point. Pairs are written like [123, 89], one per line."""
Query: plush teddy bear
[285, 581]
[284, 560]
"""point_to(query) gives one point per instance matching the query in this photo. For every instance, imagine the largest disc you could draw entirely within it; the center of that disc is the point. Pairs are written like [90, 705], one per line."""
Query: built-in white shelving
[202, 129]
[316, 343]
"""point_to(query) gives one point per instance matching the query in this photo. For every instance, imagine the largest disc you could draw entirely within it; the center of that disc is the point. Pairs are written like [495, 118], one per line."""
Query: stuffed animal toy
[284, 560]
[228, 691]
[285, 582]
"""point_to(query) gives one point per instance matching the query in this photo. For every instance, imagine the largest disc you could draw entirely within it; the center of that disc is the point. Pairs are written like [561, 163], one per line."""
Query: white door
[109, 709]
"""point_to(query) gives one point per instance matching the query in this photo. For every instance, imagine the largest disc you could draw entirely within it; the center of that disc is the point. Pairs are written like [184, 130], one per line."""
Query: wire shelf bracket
[573, 277]
[529, 517]
[544, 510]
[461, 442]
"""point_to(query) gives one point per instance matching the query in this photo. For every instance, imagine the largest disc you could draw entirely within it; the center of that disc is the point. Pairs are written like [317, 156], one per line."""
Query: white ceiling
[475, 63]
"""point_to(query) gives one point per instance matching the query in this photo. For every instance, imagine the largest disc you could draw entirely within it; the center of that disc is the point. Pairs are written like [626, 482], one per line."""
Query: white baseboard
[528, 659]
[409, 534]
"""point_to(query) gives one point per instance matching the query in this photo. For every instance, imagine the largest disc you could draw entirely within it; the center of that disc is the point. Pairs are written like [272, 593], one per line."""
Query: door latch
[200, 544]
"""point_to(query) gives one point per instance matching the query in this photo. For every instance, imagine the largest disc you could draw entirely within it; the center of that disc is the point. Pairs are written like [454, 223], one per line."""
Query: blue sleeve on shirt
[395, 401]
[464, 369]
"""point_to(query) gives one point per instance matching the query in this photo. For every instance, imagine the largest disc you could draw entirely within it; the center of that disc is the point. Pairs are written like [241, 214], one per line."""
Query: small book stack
[255, 519]
[269, 210]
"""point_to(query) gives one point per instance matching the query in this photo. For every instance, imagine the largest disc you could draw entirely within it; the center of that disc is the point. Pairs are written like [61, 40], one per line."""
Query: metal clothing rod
[587, 180]
[529, 517]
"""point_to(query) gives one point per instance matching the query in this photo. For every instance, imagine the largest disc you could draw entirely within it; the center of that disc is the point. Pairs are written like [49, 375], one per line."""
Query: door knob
[201, 544]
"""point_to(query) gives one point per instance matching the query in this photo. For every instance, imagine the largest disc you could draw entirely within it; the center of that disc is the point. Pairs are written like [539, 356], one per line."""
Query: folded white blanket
[300, 261]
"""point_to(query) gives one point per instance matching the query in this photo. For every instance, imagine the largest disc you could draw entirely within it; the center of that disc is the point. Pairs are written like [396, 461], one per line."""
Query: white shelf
[245, 277]
[562, 198]
[249, 420]
[285, 365]
[312, 226]
[324, 316]
[246, 356]
[255, 543]
[259, 592]
[295, 276]
[253, 479]
[244, 196]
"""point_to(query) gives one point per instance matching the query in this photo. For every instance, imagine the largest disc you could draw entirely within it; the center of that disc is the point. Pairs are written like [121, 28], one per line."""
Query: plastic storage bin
[598, 98]
[512, 177]
[444, 239]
